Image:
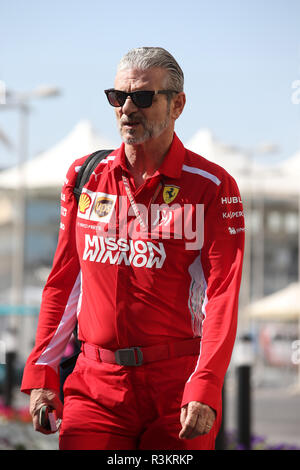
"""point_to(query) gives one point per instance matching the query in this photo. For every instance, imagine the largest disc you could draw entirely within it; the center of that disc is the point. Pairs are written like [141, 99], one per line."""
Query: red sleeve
[58, 313]
[221, 260]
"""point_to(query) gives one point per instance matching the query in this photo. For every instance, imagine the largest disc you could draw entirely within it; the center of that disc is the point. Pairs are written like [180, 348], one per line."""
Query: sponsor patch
[112, 250]
[169, 193]
[232, 215]
[85, 202]
[231, 200]
[236, 230]
[103, 206]
[96, 206]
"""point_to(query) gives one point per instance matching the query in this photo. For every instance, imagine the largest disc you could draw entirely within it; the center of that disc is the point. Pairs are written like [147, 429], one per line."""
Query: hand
[196, 419]
[40, 397]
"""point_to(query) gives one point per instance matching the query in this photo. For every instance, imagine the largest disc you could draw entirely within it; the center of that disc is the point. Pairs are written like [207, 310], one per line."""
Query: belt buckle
[129, 356]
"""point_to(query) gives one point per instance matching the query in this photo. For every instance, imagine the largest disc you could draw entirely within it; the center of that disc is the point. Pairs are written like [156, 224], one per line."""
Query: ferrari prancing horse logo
[169, 193]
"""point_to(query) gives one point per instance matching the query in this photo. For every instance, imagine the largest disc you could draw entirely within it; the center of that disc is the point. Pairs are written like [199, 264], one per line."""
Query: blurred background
[241, 61]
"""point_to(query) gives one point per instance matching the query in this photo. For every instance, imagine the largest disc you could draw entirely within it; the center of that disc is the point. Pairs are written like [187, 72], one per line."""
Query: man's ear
[177, 105]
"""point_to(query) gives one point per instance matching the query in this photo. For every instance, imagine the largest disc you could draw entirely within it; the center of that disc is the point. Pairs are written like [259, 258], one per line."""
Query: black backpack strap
[87, 169]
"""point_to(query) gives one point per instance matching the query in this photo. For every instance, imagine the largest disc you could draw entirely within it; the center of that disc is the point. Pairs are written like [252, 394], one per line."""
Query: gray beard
[150, 131]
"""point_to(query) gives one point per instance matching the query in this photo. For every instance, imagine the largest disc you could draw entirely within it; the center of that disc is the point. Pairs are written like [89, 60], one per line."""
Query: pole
[9, 378]
[243, 407]
[20, 217]
[18, 260]
[9, 340]
[244, 358]
[221, 437]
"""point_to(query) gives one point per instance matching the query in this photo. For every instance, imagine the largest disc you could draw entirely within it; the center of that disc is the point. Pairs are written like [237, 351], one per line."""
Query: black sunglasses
[142, 98]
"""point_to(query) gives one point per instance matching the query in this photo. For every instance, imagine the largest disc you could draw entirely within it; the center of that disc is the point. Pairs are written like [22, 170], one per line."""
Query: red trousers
[110, 407]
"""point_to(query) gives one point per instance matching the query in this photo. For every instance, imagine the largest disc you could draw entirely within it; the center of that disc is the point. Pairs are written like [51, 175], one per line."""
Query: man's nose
[129, 106]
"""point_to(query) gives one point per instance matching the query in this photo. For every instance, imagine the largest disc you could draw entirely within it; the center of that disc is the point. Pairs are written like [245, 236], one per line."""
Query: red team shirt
[139, 267]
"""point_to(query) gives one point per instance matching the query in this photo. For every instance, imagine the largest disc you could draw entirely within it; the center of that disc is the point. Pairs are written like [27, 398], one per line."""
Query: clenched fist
[196, 419]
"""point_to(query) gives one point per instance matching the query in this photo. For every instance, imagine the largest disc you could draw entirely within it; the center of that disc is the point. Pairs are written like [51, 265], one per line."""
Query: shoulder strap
[87, 169]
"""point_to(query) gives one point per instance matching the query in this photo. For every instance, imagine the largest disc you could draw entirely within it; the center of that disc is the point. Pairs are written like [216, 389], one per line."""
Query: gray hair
[143, 58]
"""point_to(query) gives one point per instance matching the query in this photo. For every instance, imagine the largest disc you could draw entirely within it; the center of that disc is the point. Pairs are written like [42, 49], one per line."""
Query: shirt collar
[171, 165]
[173, 161]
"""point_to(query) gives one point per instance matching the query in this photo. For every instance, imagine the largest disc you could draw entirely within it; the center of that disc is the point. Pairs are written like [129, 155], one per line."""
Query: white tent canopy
[49, 168]
[291, 165]
[273, 180]
[282, 305]
[229, 157]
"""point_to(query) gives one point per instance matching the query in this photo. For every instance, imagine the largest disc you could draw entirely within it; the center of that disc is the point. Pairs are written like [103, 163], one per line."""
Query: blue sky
[240, 59]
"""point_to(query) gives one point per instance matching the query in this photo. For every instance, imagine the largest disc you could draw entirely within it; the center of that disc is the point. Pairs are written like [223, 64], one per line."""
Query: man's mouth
[130, 124]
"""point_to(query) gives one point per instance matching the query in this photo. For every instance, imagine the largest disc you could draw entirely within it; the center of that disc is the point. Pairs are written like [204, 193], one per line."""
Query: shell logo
[84, 203]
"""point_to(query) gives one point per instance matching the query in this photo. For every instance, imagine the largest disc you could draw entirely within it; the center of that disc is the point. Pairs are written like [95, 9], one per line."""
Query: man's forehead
[137, 78]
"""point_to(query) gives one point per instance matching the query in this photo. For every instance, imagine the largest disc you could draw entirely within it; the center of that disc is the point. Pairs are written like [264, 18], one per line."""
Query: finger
[58, 406]
[36, 425]
[206, 429]
[204, 424]
[194, 432]
[205, 421]
[189, 423]
[183, 414]
[59, 411]
[200, 430]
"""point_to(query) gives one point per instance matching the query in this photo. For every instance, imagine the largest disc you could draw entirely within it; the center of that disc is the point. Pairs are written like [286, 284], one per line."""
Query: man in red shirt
[149, 263]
